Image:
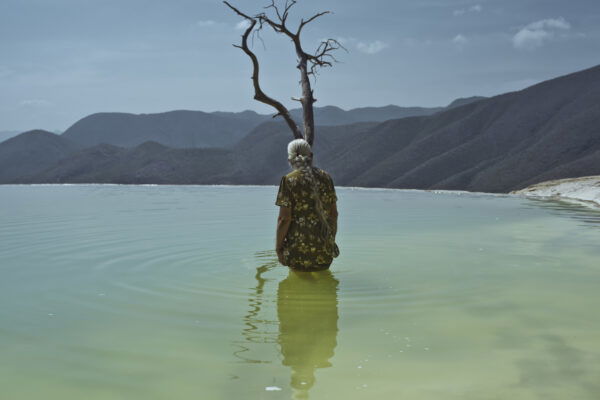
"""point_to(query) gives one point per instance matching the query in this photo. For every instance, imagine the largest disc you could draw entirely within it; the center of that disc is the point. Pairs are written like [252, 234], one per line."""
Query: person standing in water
[307, 222]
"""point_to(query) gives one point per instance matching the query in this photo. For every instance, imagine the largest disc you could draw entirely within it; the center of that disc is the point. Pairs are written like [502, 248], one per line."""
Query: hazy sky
[61, 60]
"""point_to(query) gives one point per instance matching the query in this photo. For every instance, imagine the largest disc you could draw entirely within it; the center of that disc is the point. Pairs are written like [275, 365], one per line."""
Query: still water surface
[173, 292]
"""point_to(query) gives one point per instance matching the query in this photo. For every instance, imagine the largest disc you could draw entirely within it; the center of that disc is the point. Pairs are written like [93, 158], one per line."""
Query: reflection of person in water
[308, 315]
[307, 222]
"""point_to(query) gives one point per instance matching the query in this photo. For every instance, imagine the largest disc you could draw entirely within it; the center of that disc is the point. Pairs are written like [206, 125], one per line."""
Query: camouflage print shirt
[304, 247]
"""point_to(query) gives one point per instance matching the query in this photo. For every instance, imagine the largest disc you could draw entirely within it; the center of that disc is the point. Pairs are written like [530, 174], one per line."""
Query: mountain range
[547, 131]
[191, 129]
[35, 151]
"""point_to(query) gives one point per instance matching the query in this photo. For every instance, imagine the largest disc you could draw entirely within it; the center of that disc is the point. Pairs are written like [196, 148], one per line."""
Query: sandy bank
[585, 190]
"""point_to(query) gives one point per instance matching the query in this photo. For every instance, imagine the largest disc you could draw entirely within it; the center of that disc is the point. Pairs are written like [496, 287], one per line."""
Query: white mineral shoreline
[584, 190]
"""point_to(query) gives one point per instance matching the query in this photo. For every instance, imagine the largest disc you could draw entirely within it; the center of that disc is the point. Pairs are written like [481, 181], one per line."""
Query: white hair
[299, 154]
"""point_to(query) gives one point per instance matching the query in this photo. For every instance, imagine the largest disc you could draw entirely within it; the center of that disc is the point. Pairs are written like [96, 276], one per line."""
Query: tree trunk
[307, 101]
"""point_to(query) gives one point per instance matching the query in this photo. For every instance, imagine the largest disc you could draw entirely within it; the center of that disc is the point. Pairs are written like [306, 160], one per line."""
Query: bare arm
[283, 224]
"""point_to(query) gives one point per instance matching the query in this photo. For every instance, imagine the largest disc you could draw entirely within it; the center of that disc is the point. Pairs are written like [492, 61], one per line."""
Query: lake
[174, 292]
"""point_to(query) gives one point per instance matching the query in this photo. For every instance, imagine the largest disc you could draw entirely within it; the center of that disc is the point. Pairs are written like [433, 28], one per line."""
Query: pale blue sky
[61, 60]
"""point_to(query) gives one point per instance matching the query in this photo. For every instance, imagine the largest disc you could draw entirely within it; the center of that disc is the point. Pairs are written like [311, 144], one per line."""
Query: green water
[173, 292]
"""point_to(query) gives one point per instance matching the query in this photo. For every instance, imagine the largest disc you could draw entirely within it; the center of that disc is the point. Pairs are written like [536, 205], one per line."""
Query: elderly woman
[307, 222]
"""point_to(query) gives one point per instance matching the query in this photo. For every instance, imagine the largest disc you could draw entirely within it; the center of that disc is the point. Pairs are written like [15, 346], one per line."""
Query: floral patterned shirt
[303, 246]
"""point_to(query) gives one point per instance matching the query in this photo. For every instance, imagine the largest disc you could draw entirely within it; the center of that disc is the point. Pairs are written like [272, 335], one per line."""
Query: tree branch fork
[308, 63]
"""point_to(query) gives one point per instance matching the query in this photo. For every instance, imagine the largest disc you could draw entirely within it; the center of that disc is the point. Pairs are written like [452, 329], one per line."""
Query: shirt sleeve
[284, 195]
[332, 188]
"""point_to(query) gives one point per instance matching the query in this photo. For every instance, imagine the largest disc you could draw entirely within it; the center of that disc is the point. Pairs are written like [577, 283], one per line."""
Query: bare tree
[308, 63]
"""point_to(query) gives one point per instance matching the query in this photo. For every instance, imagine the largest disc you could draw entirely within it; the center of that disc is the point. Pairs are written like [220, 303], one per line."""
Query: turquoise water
[173, 292]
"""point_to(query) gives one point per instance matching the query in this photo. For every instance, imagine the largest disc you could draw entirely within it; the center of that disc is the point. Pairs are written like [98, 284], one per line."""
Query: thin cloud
[537, 33]
[244, 24]
[206, 23]
[558, 23]
[363, 46]
[34, 103]
[473, 9]
[372, 47]
[460, 40]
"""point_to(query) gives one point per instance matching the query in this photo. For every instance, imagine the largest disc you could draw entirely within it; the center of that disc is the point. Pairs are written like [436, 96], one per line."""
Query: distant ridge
[179, 128]
[194, 129]
[31, 152]
[464, 101]
[331, 115]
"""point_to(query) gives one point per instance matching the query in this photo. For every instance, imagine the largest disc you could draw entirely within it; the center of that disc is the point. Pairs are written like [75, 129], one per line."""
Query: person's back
[307, 201]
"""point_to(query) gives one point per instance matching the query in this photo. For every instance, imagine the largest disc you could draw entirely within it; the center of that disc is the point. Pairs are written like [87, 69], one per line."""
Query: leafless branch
[323, 56]
[259, 95]
[282, 15]
[308, 21]
[308, 63]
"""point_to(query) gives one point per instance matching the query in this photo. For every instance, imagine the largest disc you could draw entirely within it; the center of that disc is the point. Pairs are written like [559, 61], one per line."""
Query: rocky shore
[583, 190]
